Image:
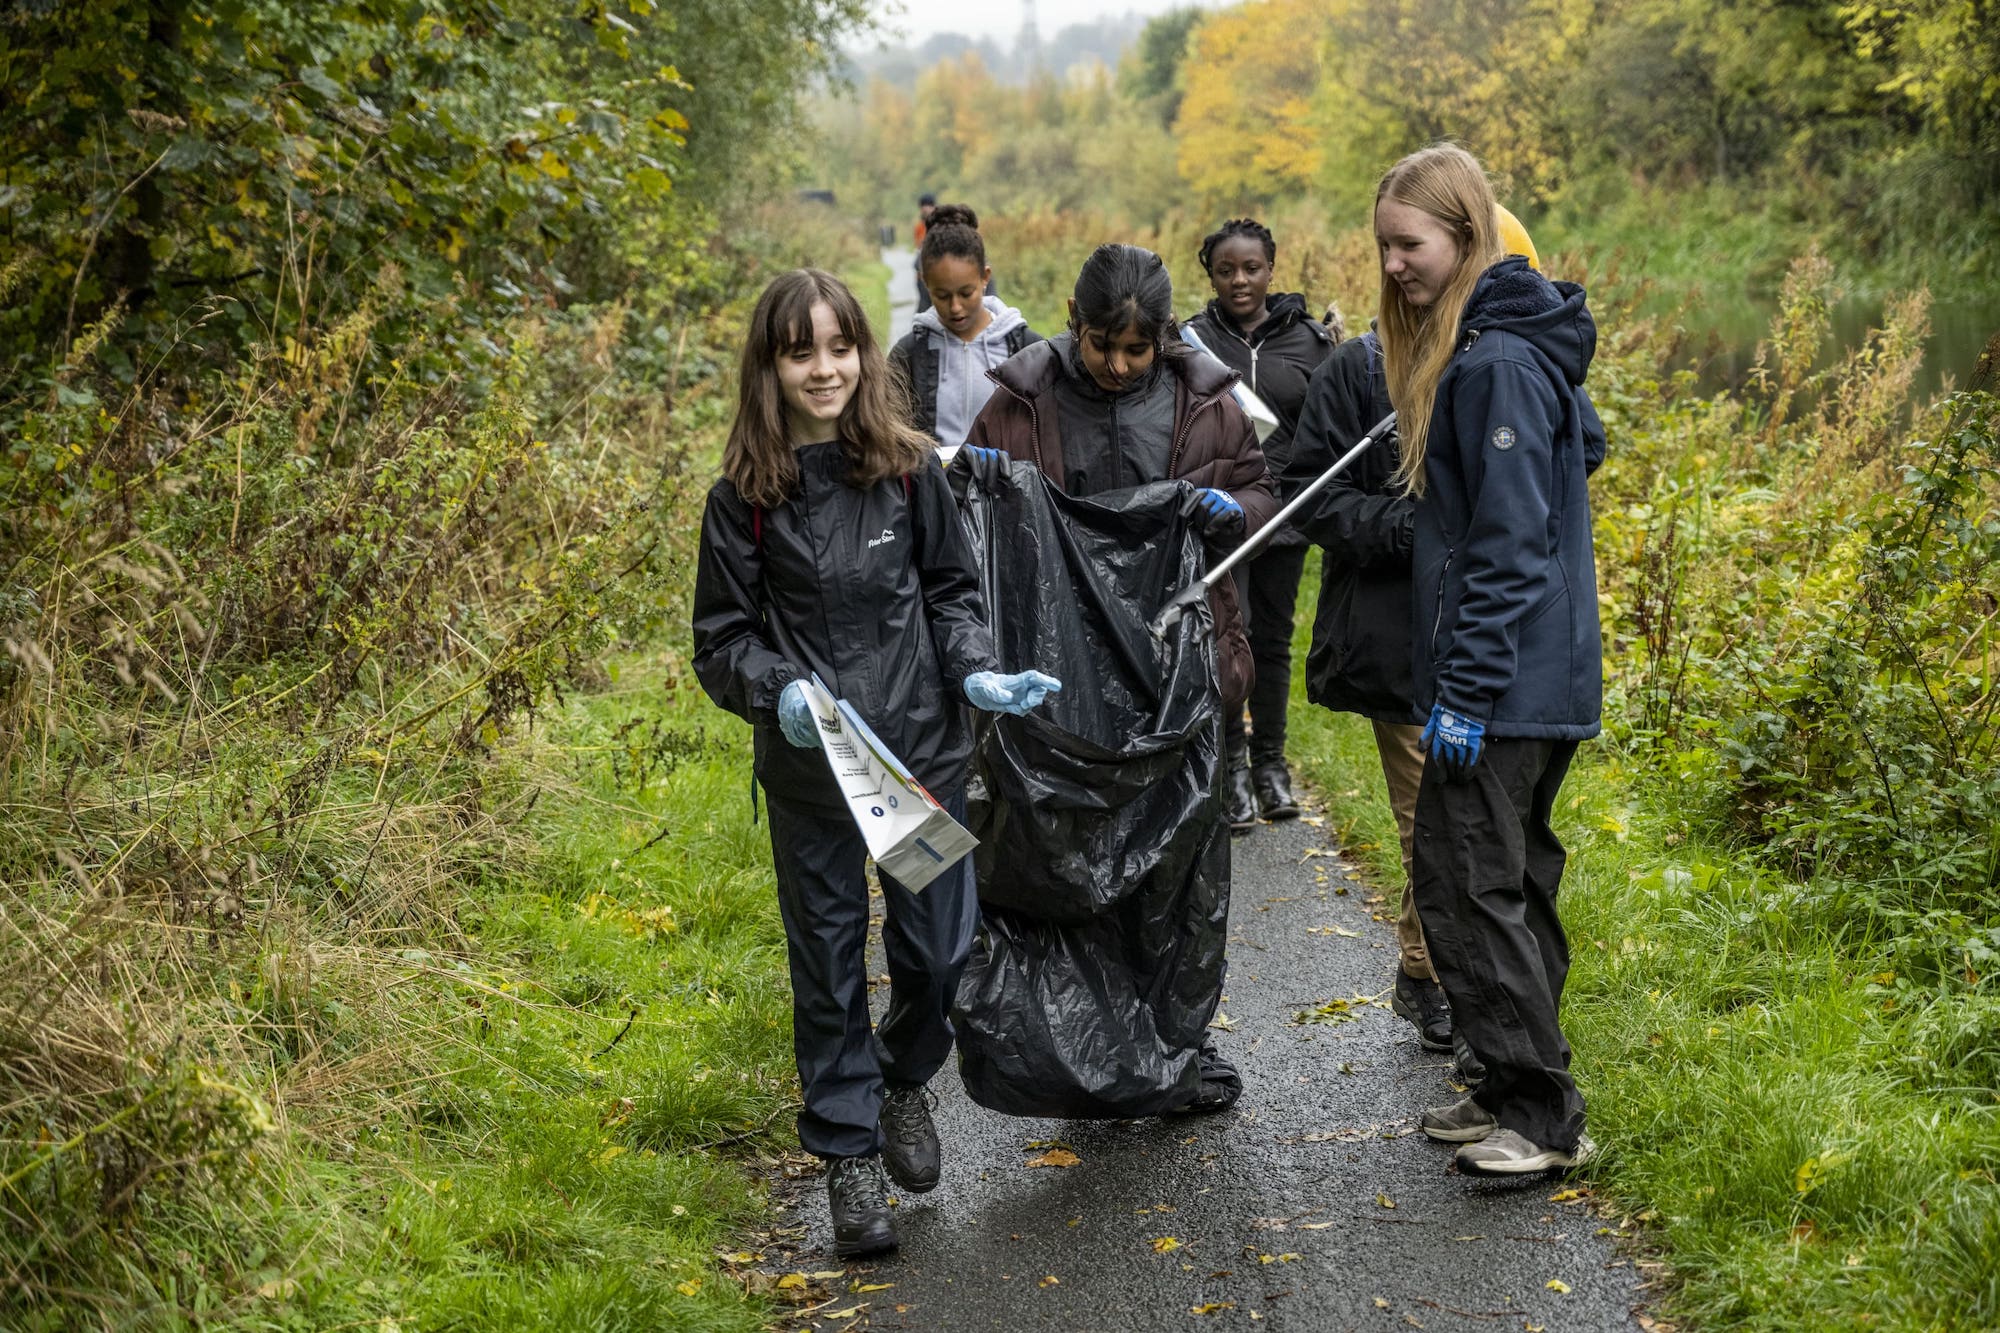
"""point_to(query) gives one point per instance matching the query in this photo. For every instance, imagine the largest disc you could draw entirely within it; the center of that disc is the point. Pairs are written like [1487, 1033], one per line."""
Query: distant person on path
[832, 545]
[1118, 401]
[1485, 361]
[1359, 661]
[942, 361]
[1275, 344]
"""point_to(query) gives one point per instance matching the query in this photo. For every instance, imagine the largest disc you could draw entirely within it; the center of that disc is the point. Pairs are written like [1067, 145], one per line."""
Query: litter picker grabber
[1177, 605]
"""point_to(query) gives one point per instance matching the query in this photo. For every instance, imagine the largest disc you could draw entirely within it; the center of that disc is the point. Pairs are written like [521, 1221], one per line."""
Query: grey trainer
[1464, 1121]
[1506, 1153]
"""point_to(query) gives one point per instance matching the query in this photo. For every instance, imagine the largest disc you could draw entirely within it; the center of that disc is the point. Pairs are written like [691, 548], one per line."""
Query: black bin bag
[1103, 860]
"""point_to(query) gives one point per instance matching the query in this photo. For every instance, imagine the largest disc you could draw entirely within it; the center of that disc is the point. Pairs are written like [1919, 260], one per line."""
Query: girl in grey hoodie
[941, 363]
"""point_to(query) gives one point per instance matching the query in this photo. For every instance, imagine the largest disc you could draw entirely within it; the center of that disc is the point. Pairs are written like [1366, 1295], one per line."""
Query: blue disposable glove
[1218, 514]
[1454, 742]
[1015, 694]
[983, 456]
[795, 717]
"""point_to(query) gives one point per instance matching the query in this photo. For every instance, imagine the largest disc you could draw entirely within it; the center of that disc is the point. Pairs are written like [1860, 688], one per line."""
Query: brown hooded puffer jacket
[1214, 445]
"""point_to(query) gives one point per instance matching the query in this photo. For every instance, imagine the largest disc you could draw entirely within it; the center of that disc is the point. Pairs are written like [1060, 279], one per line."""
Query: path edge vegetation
[1781, 888]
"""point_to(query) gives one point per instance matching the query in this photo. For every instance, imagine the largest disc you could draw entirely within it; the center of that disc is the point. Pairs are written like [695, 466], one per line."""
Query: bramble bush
[1803, 603]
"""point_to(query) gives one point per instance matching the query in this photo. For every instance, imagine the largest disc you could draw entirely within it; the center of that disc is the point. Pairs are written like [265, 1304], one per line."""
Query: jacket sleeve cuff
[1479, 710]
[773, 683]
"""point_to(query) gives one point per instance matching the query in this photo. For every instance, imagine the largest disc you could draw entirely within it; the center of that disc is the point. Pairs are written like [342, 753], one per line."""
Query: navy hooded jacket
[1506, 581]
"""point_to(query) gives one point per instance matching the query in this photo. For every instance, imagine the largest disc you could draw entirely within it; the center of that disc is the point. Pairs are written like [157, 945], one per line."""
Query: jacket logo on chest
[888, 535]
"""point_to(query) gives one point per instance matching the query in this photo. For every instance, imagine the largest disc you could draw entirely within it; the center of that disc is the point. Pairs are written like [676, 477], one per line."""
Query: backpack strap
[757, 527]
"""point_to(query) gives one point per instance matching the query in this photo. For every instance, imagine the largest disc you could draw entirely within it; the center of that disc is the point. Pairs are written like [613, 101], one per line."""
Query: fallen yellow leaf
[1054, 1157]
[1558, 1286]
[827, 1275]
[1211, 1307]
[1165, 1245]
[1565, 1196]
[689, 1287]
[1381, 1304]
[1051, 1281]
[873, 1286]
[1385, 1201]
[792, 1281]
[848, 1313]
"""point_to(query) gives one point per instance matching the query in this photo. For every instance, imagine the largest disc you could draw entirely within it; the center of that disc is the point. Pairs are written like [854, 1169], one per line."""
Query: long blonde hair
[875, 433]
[1448, 183]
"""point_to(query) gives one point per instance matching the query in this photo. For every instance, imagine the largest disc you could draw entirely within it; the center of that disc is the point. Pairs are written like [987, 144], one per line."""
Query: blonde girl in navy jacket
[1485, 360]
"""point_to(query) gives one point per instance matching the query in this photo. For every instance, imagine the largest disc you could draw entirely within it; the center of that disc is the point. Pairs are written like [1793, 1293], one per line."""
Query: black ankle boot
[909, 1139]
[1273, 782]
[1240, 803]
[860, 1206]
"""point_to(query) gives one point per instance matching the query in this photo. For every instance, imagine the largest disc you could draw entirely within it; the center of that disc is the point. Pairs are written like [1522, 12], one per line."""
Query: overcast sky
[918, 19]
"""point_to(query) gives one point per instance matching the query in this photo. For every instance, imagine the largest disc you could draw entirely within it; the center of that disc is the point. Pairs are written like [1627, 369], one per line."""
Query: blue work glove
[983, 456]
[1015, 694]
[1454, 742]
[1218, 515]
[795, 717]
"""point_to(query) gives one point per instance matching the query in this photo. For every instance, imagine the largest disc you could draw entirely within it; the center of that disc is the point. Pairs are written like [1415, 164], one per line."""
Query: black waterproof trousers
[821, 862]
[1267, 588]
[1487, 866]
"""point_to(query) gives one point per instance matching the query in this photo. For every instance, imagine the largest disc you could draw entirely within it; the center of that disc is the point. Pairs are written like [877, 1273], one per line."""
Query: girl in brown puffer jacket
[1120, 401]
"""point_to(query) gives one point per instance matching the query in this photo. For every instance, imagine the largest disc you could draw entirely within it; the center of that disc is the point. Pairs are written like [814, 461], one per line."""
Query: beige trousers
[1403, 769]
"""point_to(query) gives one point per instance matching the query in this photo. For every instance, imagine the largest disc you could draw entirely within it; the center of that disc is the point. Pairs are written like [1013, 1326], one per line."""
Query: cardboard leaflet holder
[912, 838]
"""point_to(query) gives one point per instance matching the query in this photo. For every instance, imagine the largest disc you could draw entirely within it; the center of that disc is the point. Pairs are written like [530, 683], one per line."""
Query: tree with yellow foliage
[1248, 128]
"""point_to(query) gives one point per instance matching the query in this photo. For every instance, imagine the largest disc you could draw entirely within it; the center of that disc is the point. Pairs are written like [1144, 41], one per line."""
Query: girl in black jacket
[1275, 344]
[832, 546]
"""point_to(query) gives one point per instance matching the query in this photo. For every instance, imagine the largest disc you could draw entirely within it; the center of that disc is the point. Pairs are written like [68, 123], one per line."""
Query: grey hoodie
[962, 384]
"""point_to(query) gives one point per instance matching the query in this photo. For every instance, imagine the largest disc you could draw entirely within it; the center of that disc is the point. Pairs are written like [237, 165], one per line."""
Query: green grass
[555, 1168]
[1788, 1124]
[869, 281]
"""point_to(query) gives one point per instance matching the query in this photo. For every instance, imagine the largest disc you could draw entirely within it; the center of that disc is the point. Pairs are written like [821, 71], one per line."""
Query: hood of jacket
[1034, 370]
[1514, 298]
[1005, 320]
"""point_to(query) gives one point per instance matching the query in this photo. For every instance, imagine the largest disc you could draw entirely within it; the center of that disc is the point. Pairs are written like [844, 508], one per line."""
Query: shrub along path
[1313, 1205]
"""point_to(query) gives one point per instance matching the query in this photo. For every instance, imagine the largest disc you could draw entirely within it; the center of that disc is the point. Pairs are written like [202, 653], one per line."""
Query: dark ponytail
[953, 232]
[1250, 227]
[1123, 285]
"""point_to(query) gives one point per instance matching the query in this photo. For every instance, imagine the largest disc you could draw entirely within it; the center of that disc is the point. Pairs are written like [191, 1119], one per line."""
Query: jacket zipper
[1450, 552]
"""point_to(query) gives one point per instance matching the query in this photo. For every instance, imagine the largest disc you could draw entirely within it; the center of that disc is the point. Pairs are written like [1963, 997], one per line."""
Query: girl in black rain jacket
[1275, 344]
[832, 546]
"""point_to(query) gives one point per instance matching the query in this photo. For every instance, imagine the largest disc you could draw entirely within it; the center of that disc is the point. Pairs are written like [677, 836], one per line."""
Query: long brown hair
[1448, 183]
[761, 459]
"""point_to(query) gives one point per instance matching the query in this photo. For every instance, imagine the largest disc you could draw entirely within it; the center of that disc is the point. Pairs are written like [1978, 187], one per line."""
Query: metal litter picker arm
[1177, 606]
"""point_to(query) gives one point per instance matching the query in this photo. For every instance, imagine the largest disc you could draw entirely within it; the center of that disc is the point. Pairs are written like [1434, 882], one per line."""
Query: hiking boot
[1239, 803]
[1464, 1121]
[909, 1138]
[1273, 782]
[1470, 1069]
[1421, 1000]
[1506, 1153]
[860, 1206]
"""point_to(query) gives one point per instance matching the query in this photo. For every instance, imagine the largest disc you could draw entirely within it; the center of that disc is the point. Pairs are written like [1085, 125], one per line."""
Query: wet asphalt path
[1275, 1215]
[902, 292]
